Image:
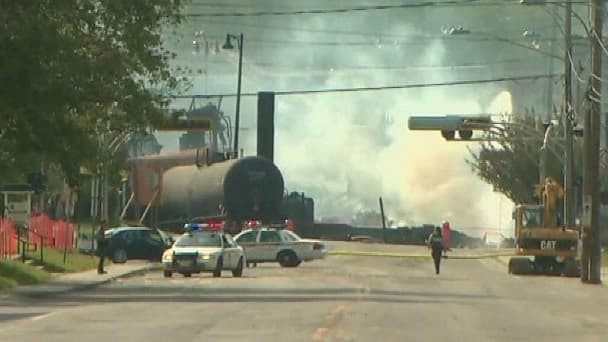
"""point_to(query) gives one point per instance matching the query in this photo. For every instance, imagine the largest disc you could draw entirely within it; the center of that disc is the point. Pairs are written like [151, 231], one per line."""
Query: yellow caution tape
[402, 255]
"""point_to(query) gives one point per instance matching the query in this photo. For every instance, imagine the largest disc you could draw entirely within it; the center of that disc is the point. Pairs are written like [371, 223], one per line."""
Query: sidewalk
[72, 282]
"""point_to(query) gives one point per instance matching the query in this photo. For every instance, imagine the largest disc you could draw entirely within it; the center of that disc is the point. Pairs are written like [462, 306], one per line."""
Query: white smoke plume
[347, 149]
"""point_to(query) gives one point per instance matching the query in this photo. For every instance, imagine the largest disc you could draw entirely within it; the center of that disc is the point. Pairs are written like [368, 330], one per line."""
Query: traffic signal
[449, 124]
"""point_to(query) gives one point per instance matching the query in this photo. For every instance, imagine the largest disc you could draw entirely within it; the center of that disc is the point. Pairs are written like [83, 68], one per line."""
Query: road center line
[331, 322]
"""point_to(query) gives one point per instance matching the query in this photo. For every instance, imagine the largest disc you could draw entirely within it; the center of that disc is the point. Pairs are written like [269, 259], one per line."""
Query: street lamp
[228, 46]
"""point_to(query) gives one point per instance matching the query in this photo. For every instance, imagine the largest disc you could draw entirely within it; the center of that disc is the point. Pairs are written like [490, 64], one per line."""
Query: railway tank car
[236, 190]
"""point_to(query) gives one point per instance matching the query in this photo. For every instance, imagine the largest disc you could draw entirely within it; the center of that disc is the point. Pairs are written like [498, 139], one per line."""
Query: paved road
[343, 298]
[409, 249]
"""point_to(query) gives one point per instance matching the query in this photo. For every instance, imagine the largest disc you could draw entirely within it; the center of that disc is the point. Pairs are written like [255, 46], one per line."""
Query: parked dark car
[129, 243]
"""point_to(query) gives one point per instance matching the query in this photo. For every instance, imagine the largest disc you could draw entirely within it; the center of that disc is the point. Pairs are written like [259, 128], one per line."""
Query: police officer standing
[102, 246]
[435, 243]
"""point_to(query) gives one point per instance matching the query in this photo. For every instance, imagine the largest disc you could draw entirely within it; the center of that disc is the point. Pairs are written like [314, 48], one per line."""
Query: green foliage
[13, 273]
[53, 261]
[511, 165]
[74, 68]
[7, 283]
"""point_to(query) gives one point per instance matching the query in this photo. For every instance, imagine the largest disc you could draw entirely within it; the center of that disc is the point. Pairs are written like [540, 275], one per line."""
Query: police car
[274, 244]
[203, 248]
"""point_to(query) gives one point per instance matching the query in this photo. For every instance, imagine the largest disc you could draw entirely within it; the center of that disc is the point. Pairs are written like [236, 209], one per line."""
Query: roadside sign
[18, 206]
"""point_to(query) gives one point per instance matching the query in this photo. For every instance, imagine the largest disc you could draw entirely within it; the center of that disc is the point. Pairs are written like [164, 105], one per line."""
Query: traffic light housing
[449, 124]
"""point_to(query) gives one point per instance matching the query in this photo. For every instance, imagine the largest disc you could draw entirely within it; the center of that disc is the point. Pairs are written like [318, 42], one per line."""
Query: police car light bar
[197, 227]
[253, 224]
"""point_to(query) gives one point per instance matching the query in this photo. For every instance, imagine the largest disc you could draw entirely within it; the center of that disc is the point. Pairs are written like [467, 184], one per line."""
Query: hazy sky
[347, 149]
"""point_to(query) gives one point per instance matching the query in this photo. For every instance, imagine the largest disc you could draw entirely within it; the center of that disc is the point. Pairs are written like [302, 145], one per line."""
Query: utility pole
[383, 219]
[228, 45]
[586, 208]
[238, 97]
[569, 198]
[591, 229]
[550, 79]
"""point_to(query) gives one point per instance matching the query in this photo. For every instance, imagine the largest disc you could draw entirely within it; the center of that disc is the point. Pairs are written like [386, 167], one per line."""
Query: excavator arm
[549, 193]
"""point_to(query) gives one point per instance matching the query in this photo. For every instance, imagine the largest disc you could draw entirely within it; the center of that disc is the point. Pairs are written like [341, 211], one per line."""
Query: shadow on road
[16, 316]
[185, 294]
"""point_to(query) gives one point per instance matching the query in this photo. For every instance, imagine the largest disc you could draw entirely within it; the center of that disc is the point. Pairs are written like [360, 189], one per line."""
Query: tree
[72, 68]
[511, 164]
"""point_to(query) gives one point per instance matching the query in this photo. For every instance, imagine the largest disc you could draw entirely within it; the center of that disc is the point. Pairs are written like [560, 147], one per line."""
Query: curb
[132, 273]
[413, 256]
[32, 292]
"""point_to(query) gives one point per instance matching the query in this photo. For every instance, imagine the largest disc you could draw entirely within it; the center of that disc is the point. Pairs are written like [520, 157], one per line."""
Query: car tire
[119, 256]
[218, 268]
[167, 274]
[238, 271]
[288, 258]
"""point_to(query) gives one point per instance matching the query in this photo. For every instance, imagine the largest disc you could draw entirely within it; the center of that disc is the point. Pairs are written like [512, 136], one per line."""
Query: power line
[415, 39]
[482, 38]
[340, 67]
[402, 86]
[450, 3]
[312, 30]
[409, 41]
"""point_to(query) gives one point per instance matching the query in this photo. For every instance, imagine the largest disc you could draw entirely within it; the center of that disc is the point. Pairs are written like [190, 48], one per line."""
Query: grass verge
[52, 261]
[14, 273]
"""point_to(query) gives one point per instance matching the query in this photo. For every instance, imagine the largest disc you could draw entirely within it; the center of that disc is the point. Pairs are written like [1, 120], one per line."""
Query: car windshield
[199, 240]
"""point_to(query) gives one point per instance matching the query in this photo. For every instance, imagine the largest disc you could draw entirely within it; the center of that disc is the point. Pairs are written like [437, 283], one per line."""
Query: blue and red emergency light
[199, 227]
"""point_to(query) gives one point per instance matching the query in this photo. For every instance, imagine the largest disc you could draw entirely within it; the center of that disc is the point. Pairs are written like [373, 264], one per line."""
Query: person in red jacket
[445, 225]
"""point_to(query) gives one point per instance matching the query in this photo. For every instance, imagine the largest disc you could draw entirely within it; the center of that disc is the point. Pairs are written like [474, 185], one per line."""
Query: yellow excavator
[542, 246]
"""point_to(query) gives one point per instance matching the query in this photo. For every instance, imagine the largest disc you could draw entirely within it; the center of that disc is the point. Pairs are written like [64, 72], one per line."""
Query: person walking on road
[435, 243]
[102, 246]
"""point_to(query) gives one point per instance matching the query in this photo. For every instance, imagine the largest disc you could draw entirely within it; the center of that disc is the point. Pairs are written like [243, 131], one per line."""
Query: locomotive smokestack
[266, 125]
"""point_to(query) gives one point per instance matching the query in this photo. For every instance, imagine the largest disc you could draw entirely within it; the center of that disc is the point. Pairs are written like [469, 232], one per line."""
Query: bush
[13, 273]
[7, 283]
[52, 261]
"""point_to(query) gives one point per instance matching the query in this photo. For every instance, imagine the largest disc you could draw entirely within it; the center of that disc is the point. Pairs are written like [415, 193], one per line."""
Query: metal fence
[40, 232]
